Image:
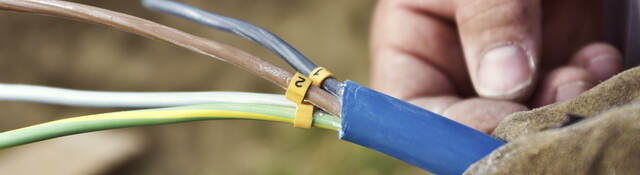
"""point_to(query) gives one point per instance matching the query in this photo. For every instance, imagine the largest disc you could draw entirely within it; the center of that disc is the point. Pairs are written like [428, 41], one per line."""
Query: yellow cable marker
[304, 116]
[298, 87]
[318, 75]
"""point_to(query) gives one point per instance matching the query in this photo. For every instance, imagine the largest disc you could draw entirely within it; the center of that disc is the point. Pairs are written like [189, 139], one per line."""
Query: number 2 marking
[299, 82]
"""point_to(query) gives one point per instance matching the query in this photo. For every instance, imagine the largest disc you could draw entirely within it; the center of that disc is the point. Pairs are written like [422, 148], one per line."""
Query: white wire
[51, 95]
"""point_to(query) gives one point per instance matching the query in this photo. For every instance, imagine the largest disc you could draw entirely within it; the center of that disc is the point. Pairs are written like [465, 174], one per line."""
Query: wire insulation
[247, 30]
[153, 30]
[409, 133]
[160, 116]
[241, 28]
[70, 97]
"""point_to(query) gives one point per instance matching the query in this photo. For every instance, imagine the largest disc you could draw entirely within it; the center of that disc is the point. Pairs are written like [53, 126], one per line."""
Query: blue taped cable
[409, 133]
[247, 30]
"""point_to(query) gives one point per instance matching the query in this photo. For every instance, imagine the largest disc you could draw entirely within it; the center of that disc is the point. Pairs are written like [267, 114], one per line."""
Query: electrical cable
[221, 111]
[247, 30]
[106, 99]
[371, 119]
[173, 36]
[409, 133]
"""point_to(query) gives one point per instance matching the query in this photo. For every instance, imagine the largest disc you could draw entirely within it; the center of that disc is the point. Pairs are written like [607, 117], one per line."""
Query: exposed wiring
[247, 30]
[70, 97]
[263, 37]
[159, 116]
[153, 30]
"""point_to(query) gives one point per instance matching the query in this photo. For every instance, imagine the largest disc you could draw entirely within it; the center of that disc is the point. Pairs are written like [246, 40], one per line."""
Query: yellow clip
[298, 87]
[318, 75]
[304, 116]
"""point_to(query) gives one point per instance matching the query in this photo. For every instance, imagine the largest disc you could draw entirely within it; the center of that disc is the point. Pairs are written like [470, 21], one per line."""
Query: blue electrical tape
[410, 133]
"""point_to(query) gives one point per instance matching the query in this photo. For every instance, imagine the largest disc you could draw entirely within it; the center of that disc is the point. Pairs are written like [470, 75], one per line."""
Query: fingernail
[504, 70]
[571, 90]
[603, 67]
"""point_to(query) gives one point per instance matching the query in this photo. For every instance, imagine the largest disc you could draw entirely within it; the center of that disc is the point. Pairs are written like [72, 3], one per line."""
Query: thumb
[501, 40]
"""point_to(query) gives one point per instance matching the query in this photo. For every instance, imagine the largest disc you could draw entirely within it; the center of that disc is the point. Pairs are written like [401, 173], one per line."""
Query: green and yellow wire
[150, 29]
[159, 116]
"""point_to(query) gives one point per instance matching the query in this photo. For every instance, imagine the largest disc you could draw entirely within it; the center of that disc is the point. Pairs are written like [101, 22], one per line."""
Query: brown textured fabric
[605, 144]
[608, 142]
[617, 91]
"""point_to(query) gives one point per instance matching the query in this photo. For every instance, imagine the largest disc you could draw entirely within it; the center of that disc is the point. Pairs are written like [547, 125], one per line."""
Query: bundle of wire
[217, 105]
[367, 117]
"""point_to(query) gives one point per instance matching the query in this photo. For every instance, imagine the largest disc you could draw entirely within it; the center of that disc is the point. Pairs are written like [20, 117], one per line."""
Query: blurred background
[49, 51]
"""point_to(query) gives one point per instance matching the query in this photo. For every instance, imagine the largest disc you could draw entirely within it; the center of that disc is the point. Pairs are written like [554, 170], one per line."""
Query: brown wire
[160, 32]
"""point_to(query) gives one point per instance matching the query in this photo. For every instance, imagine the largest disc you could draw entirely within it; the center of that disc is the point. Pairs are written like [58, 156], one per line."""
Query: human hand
[514, 53]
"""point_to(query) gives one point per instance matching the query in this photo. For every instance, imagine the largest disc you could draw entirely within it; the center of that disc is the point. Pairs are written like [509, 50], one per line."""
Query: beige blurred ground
[80, 154]
[58, 52]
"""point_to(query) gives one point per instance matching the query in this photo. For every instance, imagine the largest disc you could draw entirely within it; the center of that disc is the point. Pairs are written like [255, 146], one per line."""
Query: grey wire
[254, 33]
[70, 97]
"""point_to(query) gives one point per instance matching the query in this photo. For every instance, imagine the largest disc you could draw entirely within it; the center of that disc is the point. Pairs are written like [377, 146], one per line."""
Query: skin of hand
[477, 61]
